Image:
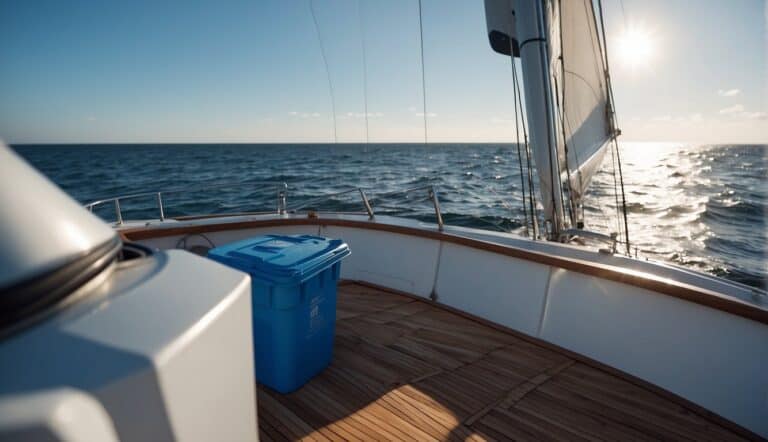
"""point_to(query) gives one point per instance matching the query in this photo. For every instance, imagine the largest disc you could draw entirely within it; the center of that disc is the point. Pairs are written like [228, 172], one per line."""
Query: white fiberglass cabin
[125, 333]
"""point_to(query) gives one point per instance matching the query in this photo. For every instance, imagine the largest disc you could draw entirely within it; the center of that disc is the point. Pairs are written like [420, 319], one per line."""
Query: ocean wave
[701, 206]
[734, 210]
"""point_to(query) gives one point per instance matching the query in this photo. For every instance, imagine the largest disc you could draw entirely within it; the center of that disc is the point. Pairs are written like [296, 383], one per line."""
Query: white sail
[530, 42]
[566, 91]
[581, 92]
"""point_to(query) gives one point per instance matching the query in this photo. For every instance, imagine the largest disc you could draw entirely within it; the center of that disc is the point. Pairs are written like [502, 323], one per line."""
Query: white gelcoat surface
[41, 227]
[661, 270]
[505, 290]
[226, 236]
[206, 363]
[400, 262]
[65, 414]
[710, 357]
[167, 351]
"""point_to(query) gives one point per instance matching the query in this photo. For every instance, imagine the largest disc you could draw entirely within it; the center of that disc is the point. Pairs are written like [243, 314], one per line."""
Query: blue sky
[252, 71]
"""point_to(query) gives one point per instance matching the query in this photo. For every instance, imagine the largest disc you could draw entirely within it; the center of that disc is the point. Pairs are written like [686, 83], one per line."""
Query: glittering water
[698, 206]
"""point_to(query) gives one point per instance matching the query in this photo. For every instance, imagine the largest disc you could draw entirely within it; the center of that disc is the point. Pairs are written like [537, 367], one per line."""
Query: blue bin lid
[282, 259]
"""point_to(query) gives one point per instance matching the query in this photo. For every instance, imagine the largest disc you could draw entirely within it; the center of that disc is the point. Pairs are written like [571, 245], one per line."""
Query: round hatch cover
[49, 244]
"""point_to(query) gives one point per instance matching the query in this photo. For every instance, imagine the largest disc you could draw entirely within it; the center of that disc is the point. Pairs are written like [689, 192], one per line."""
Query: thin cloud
[755, 115]
[737, 112]
[429, 114]
[304, 114]
[730, 110]
[362, 115]
[728, 92]
[692, 118]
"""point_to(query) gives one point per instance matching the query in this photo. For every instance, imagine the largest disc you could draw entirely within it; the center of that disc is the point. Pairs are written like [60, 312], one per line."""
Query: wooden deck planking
[404, 369]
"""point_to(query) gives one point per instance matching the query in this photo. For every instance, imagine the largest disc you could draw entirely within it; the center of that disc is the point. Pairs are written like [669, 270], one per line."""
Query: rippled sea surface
[699, 206]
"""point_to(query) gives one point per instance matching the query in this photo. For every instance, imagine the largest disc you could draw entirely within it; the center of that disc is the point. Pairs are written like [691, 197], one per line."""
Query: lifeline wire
[519, 156]
[561, 112]
[531, 190]
[365, 68]
[614, 124]
[327, 70]
[423, 75]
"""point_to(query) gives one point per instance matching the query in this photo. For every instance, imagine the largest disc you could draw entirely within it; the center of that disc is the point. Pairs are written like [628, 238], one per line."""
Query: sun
[636, 47]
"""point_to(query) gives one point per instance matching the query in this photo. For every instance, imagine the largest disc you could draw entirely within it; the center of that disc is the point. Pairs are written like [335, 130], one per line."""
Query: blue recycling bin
[293, 281]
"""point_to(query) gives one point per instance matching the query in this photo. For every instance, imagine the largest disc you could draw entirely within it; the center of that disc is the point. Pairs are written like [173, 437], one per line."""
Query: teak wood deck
[404, 369]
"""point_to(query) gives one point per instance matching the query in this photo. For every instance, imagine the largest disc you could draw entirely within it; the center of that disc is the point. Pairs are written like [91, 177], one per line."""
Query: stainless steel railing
[282, 199]
[366, 201]
[323, 198]
[281, 190]
[431, 196]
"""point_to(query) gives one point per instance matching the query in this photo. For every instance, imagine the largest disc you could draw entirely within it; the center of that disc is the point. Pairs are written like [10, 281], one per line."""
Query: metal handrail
[436, 204]
[426, 187]
[282, 205]
[325, 197]
[282, 189]
[431, 195]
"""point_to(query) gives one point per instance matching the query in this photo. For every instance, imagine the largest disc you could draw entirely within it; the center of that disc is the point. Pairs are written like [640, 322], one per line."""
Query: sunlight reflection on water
[698, 206]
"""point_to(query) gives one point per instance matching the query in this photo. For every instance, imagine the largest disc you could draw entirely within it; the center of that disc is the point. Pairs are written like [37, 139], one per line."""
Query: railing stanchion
[436, 204]
[281, 198]
[118, 213]
[160, 206]
[366, 203]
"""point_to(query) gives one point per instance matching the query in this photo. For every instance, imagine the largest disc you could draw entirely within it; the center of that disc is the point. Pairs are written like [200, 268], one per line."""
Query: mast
[567, 95]
[532, 34]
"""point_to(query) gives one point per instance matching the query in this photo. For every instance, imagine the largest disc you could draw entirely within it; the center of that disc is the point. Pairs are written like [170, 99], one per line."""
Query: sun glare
[636, 47]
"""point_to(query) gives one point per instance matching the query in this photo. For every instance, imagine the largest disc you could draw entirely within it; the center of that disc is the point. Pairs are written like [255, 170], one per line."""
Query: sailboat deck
[404, 369]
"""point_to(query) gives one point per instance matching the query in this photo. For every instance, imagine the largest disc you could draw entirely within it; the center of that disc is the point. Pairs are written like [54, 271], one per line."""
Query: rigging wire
[616, 190]
[568, 127]
[423, 74]
[561, 113]
[567, 186]
[554, 168]
[531, 189]
[617, 205]
[614, 124]
[365, 68]
[519, 155]
[327, 70]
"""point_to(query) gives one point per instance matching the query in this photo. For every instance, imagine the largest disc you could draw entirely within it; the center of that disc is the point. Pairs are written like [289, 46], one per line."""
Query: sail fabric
[580, 91]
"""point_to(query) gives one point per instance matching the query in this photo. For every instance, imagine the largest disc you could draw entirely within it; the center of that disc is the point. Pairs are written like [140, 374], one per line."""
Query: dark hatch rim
[32, 296]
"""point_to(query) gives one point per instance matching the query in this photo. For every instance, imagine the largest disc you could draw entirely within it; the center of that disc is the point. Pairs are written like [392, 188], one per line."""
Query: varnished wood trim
[666, 394]
[612, 273]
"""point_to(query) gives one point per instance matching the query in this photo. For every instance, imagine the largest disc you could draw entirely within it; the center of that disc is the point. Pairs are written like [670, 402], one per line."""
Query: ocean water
[702, 207]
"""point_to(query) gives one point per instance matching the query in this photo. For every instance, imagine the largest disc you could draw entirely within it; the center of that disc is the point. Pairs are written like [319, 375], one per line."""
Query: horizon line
[208, 143]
